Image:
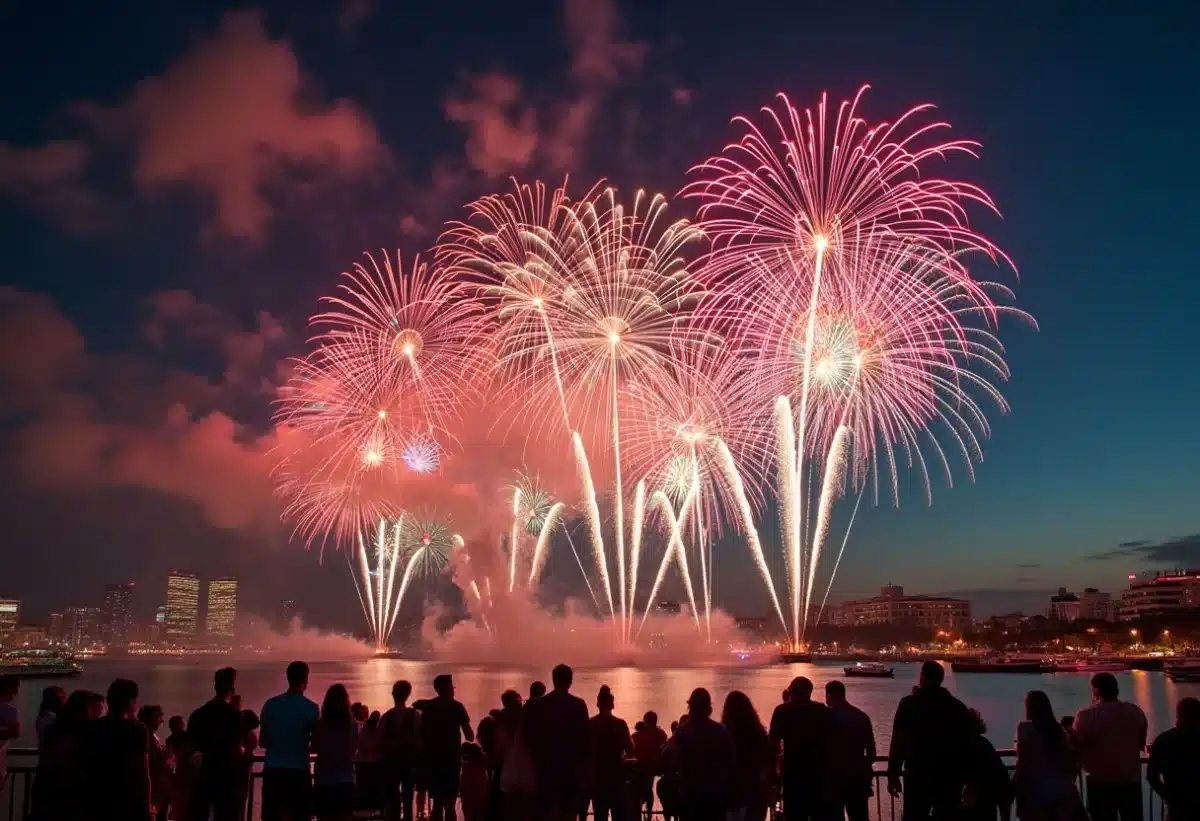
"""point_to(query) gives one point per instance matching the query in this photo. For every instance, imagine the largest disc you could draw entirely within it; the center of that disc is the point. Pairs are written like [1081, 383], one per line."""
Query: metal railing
[22, 766]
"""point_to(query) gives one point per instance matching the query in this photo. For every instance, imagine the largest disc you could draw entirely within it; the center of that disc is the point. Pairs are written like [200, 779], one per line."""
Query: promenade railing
[22, 767]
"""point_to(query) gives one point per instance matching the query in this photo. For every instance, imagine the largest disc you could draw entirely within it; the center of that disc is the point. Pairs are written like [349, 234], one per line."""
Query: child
[473, 783]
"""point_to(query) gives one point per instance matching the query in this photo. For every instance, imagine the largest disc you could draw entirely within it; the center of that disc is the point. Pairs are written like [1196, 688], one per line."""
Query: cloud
[502, 131]
[233, 117]
[37, 346]
[50, 177]
[1183, 551]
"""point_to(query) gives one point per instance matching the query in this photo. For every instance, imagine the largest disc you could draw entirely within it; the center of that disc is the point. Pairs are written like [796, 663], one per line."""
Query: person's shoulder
[1133, 710]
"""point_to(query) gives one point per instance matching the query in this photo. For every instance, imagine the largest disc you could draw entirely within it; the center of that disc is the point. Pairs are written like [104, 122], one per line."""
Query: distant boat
[38, 662]
[1086, 666]
[795, 658]
[869, 669]
[1000, 665]
[1184, 672]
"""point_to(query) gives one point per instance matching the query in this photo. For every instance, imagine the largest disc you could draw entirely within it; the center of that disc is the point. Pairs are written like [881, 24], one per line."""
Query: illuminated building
[81, 626]
[10, 615]
[183, 605]
[1091, 604]
[117, 613]
[891, 606]
[1163, 594]
[222, 608]
[55, 628]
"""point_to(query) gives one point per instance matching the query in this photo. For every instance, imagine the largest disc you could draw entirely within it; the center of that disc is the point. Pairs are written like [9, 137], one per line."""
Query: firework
[421, 454]
[534, 505]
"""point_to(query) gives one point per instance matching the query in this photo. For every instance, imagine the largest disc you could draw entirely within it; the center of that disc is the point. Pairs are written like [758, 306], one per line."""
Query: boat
[1184, 672]
[795, 658]
[38, 662]
[869, 669]
[1086, 666]
[1000, 665]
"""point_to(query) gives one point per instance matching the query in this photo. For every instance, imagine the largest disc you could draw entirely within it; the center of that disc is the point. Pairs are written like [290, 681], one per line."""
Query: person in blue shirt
[288, 721]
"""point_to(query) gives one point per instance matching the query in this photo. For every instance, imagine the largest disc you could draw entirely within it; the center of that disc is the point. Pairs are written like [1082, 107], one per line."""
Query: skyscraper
[81, 625]
[183, 604]
[117, 614]
[10, 615]
[222, 607]
[55, 628]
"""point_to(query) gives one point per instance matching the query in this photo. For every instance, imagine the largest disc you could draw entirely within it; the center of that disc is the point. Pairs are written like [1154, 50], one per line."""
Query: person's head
[471, 753]
[1104, 687]
[1068, 723]
[1040, 713]
[122, 698]
[787, 696]
[674, 727]
[151, 716]
[9, 687]
[738, 713]
[639, 726]
[650, 719]
[932, 675]
[53, 699]
[224, 681]
[250, 721]
[297, 677]
[373, 720]
[1187, 713]
[77, 706]
[510, 700]
[801, 689]
[977, 723]
[537, 690]
[401, 690]
[176, 724]
[359, 711]
[604, 699]
[93, 704]
[443, 685]
[562, 676]
[336, 706]
[700, 703]
[835, 693]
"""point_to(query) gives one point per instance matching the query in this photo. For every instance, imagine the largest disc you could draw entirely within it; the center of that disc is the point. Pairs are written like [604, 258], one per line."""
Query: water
[181, 685]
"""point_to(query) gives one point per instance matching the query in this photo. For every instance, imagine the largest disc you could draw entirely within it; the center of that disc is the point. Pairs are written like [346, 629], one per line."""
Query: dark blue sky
[1085, 112]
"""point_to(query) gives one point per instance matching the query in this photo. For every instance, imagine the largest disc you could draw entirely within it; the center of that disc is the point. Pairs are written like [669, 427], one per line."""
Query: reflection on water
[181, 685]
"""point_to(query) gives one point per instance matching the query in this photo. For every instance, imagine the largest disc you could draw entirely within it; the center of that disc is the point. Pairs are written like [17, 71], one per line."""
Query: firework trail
[539, 553]
[512, 542]
[675, 549]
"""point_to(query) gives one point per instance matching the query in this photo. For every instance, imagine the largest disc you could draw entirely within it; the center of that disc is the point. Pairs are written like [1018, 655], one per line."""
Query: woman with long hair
[60, 787]
[335, 740]
[1046, 765]
[53, 700]
[753, 759]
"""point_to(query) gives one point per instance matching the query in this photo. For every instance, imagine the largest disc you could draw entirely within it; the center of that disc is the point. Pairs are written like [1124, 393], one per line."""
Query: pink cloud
[502, 132]
[231, 116]
[50, 177]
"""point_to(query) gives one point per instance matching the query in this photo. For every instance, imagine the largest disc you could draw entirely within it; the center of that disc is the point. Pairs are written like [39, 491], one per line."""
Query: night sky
[180, 182]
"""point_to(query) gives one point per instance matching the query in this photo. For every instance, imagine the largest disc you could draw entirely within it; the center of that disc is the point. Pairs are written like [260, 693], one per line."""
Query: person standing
[151, 716]
[753, 758]
[611, 743]
[560, 746]
[215, 729]
[931, 735]
[1046, 771]
[335, 739]
[398, 731]
[1111, 736]
[53, 699]
[853, 761]
[988, 791]
[116, 759]
[648, 743]
[1174, 771]
[805, 729]
[10, 722]
[444, 725]
[288, 721]
[702, 754]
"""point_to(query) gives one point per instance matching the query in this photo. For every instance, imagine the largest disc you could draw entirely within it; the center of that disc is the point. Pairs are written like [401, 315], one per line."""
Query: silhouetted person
[805, 729]
[444, 725]
[611, 743]
[151, 716]
[60, 788]
[560, 745]
[1174, 771]
[1110, 736]
[10, 722]
[702, 754]
[853, 760]
[398, 729]
[474, 783]
[215, 729]
[53, 699]
[648, 741]
[116, 759]
[1045, 771]
[506, 726]
[931, 733]
[537, 690]
[334, 741]
[988, 792]
[249, 744]
[753, 756]
[288, 721]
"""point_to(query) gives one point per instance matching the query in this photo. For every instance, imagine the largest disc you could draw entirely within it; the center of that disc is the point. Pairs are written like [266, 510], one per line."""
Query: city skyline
[140, 411]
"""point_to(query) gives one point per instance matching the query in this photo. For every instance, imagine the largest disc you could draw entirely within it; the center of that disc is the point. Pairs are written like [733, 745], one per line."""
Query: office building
[118, 599]
[892, 606]
[222, 608]
[183, 605]
[10, 617]
[55, 628]
[1163, 594]
[81, 626]
[1091, 605]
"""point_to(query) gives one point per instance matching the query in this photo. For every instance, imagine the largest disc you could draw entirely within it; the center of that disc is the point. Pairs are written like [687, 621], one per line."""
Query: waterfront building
[10, 617]
[222, 608]
[117, 611]
[81, 626]
[1090, 605]
[55, 628]
[1162, 594]
[892, 606]
[183, 605]
[28, 635]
